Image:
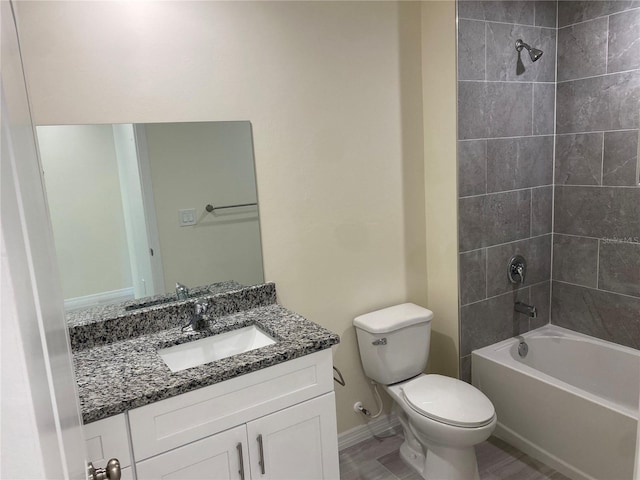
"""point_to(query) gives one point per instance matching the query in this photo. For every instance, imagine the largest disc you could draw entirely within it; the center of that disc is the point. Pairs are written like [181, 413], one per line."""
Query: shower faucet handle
[517, 269]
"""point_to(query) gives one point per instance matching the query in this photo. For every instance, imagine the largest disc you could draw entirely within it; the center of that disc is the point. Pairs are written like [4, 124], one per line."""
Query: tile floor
[379, 459]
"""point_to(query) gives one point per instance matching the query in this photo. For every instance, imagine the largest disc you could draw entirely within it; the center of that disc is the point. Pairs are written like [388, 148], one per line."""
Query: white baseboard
[364, 432]
[101, 298]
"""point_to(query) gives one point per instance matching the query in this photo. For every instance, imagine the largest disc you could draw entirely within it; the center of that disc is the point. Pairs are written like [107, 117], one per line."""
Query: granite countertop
[121, 370]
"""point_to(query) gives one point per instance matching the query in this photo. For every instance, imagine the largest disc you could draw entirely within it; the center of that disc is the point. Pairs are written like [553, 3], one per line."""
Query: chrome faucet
[198, 320]
[182, 292]
[528, 310]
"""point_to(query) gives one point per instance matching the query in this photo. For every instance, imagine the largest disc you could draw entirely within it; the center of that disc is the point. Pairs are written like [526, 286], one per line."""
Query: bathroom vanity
[265, 413]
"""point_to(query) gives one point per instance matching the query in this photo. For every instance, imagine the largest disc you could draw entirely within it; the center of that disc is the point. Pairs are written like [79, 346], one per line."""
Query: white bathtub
[572, 402]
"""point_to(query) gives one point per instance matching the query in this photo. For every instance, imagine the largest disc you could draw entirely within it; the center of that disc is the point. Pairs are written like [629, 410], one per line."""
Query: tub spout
[528, 310]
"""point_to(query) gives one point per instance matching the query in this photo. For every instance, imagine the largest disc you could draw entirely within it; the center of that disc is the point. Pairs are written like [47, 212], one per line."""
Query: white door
[133, 208]
[42, 435]
[297, 443]
[222, 456]
[148, 202]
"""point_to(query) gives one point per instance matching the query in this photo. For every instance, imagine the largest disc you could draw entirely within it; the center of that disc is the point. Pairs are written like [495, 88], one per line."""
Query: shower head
[534, 53]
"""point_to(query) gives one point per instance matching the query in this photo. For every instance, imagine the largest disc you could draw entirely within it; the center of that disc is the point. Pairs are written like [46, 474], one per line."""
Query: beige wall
[192, 165]
[334, 94]
[440, 134]
[83, 190]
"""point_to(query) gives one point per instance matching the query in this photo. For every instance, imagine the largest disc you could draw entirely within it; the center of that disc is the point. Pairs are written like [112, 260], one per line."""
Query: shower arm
[520, 45]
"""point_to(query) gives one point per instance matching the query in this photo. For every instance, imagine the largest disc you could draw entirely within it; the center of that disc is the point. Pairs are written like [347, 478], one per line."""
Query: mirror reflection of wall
[118, 196]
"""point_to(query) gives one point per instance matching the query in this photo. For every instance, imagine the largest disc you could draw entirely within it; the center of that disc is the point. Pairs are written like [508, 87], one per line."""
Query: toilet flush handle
[380, 341]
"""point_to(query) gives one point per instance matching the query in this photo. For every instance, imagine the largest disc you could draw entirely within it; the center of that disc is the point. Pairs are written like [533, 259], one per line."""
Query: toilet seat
[448, 400]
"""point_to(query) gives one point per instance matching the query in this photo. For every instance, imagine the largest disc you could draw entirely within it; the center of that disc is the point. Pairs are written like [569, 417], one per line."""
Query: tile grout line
[588, 237]
[533, 105]
[608, 74]
[566, 185]
[606, 55]
[509, 292]
[611, 292]
[598, 17]
[384, 466]
[486, 273]
[626, 242]
[507, 243]
[638, 160]
[506, 23]
[511, 137]
[598, 266]
[553, 187]
[485, 51]
[547, 135]
[510, 191]
[590, 132]
[486, 167]
[530, 212]
[602, 163]
[519, 82]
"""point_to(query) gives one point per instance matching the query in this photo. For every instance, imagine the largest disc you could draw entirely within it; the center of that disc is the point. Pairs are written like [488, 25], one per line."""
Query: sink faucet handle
[182, 292]
[198, 320]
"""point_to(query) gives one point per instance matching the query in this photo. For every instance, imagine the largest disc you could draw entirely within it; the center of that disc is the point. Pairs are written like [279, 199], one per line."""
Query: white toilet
[443, 418]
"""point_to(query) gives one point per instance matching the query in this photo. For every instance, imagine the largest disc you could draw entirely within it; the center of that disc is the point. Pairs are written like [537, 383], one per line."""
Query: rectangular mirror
[136, 208]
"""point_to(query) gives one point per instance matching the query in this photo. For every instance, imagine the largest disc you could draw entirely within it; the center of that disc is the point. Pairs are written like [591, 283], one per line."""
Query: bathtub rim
[495, 353]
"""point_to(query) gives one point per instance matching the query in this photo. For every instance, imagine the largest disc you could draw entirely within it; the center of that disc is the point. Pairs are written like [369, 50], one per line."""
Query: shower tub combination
[571, 402]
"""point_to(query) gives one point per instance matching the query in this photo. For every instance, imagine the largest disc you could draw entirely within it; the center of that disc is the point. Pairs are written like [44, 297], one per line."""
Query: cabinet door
[108, 438]
[215, 457]
[298, 443]
[127, 474]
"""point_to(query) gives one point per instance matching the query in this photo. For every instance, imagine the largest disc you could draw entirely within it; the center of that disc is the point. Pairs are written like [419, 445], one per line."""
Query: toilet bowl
[443, 447]
[442, 418]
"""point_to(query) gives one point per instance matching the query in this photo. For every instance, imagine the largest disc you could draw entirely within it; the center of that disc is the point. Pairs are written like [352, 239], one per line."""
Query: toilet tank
[394, 342]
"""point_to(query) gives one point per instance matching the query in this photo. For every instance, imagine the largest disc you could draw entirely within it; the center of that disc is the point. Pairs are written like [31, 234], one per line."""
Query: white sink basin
[214, 348]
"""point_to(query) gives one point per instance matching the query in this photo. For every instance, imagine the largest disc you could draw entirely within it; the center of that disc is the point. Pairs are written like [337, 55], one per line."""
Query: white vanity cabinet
[279, 420]
[295, 443]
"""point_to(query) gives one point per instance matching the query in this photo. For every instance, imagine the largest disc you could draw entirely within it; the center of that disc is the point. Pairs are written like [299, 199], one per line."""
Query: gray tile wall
[505, 156]
[515, 188]
[596, 241]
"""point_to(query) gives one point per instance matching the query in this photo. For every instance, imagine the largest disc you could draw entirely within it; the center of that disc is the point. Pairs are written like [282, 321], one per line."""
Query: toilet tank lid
[392, 318]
